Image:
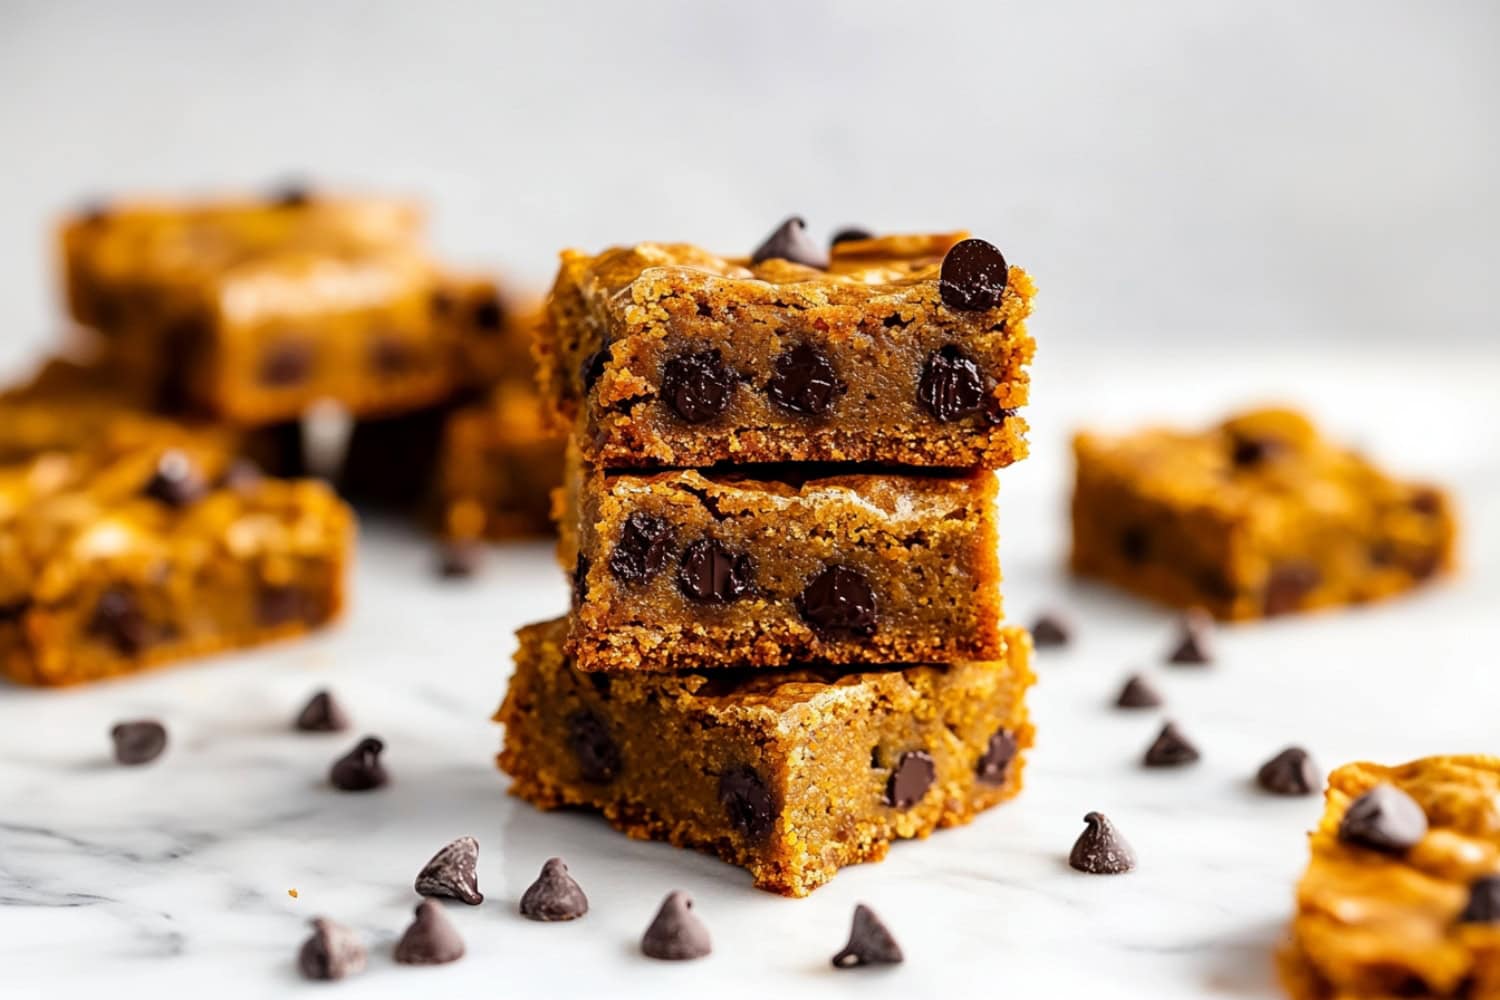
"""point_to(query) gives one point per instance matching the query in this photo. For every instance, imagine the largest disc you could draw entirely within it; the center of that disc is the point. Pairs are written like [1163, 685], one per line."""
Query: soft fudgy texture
[1257, 516]
[839, 568]
[1374, 925]
[99, 575]
[787, 773]
[622, 324]
[498, 465]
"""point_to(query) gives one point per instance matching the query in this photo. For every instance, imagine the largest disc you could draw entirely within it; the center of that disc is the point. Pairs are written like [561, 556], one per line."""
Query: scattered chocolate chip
[1291, 772]
[1483, 906]
[242, 475]
[1250, 451]
[592, 368]
[952, 386]
[360, 769]
[710, 572]
[138, 742]
[554, 895]
[914, 774]
[1138, 693]
[870, 942]
[292, 194]
[803, 381]
[322, 714]
[119, 620]
[1051, 630]
[431, 939]
[286, 362]
[1171, 748]
[697, 387]
[1288, 585]
[280, 603]
[790, 242]
[747, 802]
[488, 314]
[389, 356]
[459, 558]
[332, 952]
[175, 481]
[1100, 850]
[840, 603]
[452, 873]
[850, 234]
[645, 545]
[1384, 819]
[1195, 640]
[974, 275]
[1135, 545]
[994, 763]
[676, 934]
[595, 749]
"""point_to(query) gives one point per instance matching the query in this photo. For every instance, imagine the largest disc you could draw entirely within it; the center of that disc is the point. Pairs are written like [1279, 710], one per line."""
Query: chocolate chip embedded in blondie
[901, 350]
[1257, 516]
[1402, 895]
[491, 332]
[790, 774]
[768, 566]
[115, 560]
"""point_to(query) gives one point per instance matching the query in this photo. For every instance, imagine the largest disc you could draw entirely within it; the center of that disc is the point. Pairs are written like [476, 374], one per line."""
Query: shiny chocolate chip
[994, 763]
[175, 481]
[452, 873]
[138, 742]
[839, 603]
[790, 242]
[644, 547]
[1384, 819]
[914, 774]
[591, 744]
[747, 802]
[1291, 772]
[870, 942]
[1138, 692]
[555, 895]
[803, 381]
[697, 387]
[974, 275]
[322, 714]
[712, 573]
[952, 386]
[1171, 748]
[1100, 849]
[360, 770]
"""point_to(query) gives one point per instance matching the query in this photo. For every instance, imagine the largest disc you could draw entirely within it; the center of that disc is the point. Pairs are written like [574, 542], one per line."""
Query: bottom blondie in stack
[787, 653]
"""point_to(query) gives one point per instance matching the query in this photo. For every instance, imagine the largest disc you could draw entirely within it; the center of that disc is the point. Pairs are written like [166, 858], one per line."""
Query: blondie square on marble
[1409, 919]
[114, 560]
[1256, 516]
[767, 566]
[791, 774]
[664, 354]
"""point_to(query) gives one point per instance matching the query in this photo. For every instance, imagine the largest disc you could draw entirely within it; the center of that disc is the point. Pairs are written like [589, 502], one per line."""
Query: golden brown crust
[1256, 516]
[671, 739]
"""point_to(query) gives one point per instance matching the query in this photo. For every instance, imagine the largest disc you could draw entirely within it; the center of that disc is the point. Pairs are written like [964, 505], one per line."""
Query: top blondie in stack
[785, 642]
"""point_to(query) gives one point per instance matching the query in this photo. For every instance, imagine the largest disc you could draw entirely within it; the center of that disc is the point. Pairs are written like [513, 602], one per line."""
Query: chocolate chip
[322, 714]
[333, 952]
[241, 476]
[1288, 585]
[138, 742]
[1051, 630]
[1135, 545]
[1291, 772]
[850, 234]
[1483, 906]
[839, 603]
[1138, 693]
[119, 620]
[592, 368]
[554, 895]
[431, 939]
[747, 802]
[286, 362]
[994, 763]
[1384, 819]
[870, 942]
[11, 611]
[360, 769]
[1250, 451]
[974, 275]
[389, 356]
[451, 874]
[914, 774]
[676, 934]
[710, 572]
[697, 387]
[292, 194]
[1195, 640]
[594, 748]
[790, 242]
[1100, 849]
[952, 386]
[459, 558]
[1171, 748]
[175, 481]
[803, 381]
[281, 603]
[488, 315]
[643, 549]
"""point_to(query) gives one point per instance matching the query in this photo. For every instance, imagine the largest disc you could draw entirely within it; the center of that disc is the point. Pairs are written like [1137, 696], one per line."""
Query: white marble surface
[173, 879]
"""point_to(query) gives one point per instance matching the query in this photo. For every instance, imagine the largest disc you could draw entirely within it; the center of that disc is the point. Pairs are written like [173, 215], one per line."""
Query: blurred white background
[1172, 172]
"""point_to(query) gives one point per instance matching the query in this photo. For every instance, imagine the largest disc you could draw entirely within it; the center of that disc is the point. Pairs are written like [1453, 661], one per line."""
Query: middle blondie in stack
[779, 515]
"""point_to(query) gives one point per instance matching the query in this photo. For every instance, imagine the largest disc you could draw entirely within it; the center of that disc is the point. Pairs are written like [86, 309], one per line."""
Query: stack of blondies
[785, 643]
[143, 520]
